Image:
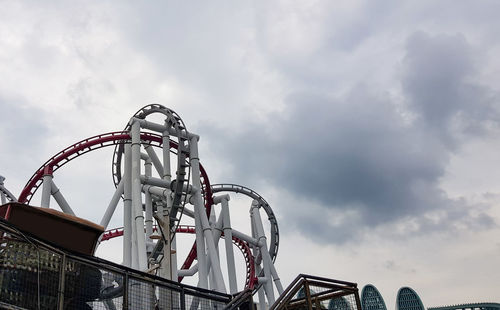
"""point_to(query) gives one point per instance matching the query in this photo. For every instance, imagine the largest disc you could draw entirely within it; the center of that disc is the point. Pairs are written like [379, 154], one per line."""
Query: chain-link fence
[35, 275]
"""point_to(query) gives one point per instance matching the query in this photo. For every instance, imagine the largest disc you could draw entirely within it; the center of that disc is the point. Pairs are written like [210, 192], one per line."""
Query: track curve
[251, 279]
[182, 146]
[76, 150]
[274, 242]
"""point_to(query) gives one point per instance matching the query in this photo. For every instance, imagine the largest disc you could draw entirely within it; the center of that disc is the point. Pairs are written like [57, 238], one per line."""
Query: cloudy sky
[371, 127]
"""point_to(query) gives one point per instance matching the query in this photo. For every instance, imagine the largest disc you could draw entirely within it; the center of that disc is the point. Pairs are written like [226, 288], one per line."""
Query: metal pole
[2, 195]
[173, 263]
[188, 272]
[6, 194]
[262, 297]
[200, 252]
[198, 209]
[228, 237]
[169, 262]
[202, 216]
[46, 189]
[62, 279]
[112, 205]
[127, 209]
[135, 132]
[211, 277]
[266, 260]
[148, 201]
[210, 243]
[4, 199]
[58, 196]
[258, 269]
[149, 214]
[154, 159]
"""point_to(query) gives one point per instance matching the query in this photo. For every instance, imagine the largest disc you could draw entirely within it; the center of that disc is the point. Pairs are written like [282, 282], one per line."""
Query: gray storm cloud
[361, 153]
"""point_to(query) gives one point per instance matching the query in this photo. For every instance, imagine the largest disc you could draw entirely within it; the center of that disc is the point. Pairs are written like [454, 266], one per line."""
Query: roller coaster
[164, 189]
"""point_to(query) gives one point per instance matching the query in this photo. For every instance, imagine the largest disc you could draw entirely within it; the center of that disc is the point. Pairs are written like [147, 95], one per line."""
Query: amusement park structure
[5, 194]
[162, 185]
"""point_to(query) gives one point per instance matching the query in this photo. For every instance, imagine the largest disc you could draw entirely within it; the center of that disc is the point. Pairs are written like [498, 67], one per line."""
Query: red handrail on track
[251, 279]
[108, 139]
[74, 151]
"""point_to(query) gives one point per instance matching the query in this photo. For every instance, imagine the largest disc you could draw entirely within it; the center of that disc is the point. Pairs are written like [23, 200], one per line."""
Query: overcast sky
[371, 127]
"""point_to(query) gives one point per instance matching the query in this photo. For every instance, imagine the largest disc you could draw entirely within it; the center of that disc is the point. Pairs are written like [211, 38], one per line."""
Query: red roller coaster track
[251, 280]
[115, 138]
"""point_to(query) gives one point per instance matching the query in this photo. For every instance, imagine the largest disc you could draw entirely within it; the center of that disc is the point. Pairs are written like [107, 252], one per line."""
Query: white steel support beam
[166, 269]
[158, 191]
[165, 224]
[188, 212]
[148, 202]
[5, 193]
[137, 196]
[112, 205]
[2, 188]
[173, 263]
[149, 180]
[217, 232]
[127, 209]
[269, 270]
[188, 272]
[61, 201]
[203, 220]
[154, 159]
[228, 237]
[255, 217]
[261, 293]
[258, 268]
[200, 252]
[216, 227]
[46, 189]
[199, 212]
[170, 250]
[148, 170]
[211, 249]
[156, 127]
[245, 237]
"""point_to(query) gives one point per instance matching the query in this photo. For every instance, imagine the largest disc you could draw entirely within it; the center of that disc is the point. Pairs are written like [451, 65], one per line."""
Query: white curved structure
[158, 189]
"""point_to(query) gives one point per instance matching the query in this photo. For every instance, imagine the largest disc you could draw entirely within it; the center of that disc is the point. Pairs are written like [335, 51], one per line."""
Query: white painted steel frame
[138, 222]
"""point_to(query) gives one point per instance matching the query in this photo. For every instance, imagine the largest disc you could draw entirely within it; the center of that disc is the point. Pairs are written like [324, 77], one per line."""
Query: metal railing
[311, 292]
[37, 275]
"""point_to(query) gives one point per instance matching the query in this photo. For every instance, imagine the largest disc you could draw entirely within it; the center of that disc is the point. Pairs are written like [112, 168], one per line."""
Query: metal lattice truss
[155, 202]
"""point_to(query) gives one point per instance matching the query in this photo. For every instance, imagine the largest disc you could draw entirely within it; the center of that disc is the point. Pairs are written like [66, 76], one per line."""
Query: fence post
[183, 300]
[125, 292]
[62, 277]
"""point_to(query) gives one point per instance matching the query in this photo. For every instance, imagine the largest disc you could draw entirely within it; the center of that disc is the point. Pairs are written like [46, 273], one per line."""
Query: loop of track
[182, 146]
[148, 138]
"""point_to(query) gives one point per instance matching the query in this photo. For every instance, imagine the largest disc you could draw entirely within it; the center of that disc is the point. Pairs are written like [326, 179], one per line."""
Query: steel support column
[137, 196]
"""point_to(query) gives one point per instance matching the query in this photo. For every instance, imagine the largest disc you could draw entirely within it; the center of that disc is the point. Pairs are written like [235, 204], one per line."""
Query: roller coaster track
[274, 242]
[76, 150]
[251, 280]
[179, 147]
